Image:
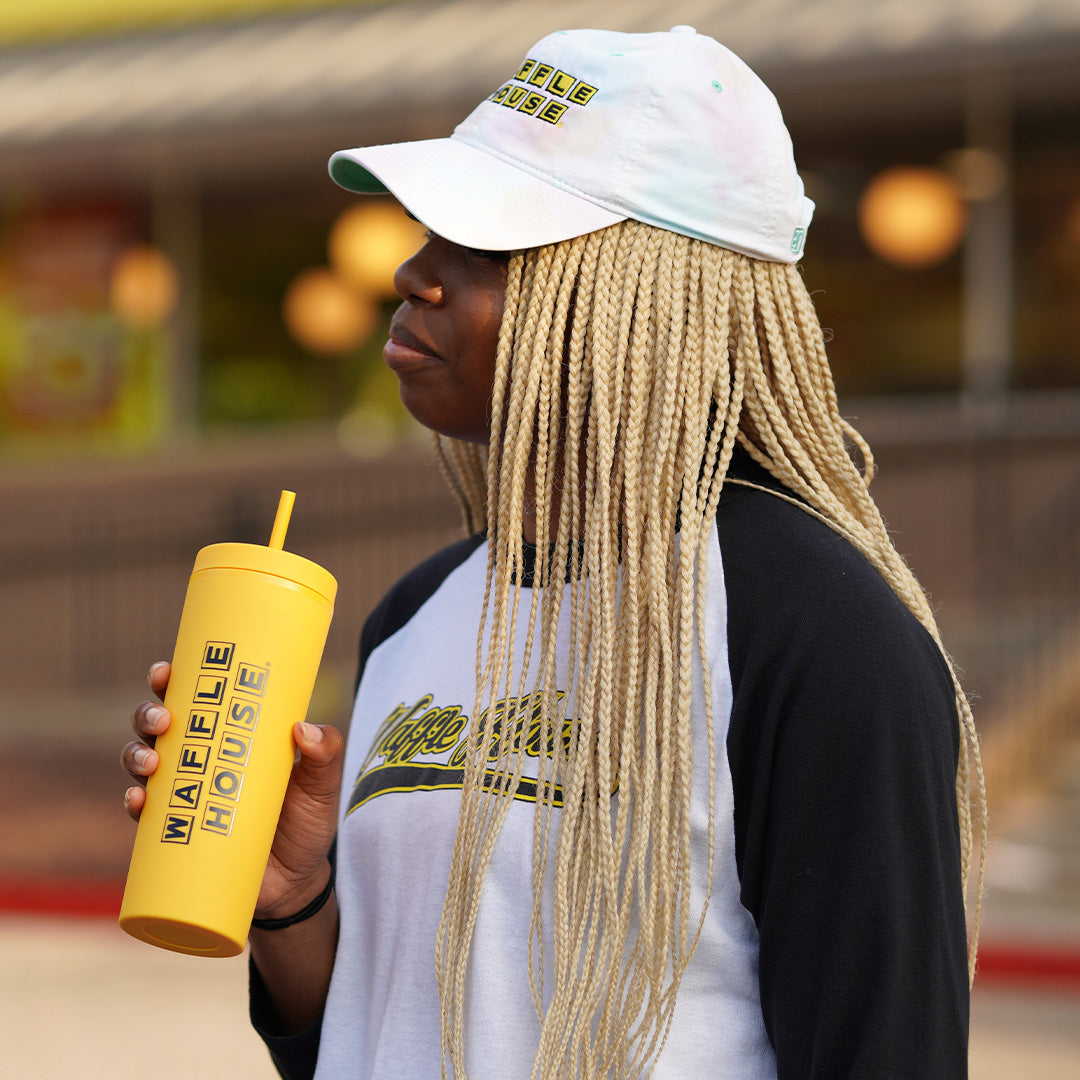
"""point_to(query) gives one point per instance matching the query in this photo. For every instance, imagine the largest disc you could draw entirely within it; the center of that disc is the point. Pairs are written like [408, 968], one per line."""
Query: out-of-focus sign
[68, 365]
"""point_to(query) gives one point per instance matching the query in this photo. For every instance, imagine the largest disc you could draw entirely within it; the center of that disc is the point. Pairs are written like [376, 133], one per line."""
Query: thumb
[318, 770]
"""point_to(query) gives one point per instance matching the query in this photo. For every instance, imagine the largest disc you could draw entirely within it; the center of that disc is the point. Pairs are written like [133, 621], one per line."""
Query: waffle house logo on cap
[543, 91]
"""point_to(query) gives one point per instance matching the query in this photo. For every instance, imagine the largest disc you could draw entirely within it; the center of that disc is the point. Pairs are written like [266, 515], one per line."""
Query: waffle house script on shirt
[422, 746]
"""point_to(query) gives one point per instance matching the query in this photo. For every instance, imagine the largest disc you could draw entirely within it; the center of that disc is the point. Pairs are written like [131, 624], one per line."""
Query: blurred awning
[55, 20]
[368, 65]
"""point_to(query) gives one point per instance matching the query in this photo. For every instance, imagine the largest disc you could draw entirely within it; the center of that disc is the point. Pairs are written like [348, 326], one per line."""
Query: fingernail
[154, 668]
[310, 732]
[142, 755]
[155, 717]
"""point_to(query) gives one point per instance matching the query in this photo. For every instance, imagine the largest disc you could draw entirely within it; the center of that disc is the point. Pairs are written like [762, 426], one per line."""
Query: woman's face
[444, 336]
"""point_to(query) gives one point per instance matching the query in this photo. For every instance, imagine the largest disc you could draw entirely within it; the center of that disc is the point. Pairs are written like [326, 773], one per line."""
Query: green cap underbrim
[354, 177]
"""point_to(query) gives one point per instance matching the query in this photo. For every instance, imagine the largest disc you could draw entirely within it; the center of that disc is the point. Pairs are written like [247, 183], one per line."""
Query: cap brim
[470, 196]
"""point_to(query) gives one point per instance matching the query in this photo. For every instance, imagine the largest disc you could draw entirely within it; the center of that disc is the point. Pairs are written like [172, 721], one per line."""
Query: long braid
[465, 468]
[631, 361]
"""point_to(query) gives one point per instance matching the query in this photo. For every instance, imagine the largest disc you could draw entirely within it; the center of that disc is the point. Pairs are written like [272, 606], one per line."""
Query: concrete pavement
[81, 999]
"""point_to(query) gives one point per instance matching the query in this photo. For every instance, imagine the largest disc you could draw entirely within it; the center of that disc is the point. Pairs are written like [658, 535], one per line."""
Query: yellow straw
[281, 521]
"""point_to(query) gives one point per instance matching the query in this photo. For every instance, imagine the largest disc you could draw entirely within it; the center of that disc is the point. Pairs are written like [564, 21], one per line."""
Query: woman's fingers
[149, 720]
[139, 760]
[134, 801]
[158, 677]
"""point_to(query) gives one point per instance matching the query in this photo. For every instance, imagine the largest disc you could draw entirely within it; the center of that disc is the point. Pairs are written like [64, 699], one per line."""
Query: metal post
[177, 229]
[987, 342]
[987, 329]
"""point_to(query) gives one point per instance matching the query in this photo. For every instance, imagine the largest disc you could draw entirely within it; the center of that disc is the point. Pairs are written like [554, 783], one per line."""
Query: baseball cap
[596, 126]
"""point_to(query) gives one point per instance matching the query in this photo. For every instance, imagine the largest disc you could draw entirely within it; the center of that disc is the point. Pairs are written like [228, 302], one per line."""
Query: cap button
[683, 30]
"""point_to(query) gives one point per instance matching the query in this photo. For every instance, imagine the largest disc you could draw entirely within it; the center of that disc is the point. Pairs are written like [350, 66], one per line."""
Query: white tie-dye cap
[596, 126]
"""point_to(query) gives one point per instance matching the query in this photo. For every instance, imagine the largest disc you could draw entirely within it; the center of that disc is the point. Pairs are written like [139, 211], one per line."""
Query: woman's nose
[416, 279]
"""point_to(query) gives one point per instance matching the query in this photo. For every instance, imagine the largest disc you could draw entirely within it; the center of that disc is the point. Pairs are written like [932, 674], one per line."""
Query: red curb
[74, 899]
[1031, 964]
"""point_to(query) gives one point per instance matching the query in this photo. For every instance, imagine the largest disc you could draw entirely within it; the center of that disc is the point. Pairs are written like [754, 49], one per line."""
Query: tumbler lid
[272, 559]
[267, 560]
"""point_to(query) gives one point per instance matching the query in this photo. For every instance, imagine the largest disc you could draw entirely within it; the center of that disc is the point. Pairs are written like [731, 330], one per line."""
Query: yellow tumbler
[251, 637]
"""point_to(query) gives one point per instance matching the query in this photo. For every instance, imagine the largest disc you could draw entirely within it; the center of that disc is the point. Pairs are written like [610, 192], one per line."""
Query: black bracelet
[313, 908]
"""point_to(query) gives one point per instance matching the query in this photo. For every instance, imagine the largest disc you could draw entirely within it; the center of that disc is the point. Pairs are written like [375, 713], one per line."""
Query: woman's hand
[149, 720]
[297, 869]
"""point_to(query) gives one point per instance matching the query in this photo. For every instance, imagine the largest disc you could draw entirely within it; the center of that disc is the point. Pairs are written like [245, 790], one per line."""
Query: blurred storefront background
[181, 284]
[174, 260]
[192, 315]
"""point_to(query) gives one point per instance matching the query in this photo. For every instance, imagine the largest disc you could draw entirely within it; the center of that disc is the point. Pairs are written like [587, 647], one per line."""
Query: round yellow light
[324, 315]
[369, 241]
[913, 217]
[143, 286]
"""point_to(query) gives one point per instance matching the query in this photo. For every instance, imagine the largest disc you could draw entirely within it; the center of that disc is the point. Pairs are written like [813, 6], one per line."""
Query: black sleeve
[843, 747]
[295, 1056]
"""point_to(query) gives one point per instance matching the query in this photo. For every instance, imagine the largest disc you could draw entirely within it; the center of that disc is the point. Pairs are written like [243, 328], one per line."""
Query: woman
[664, 762]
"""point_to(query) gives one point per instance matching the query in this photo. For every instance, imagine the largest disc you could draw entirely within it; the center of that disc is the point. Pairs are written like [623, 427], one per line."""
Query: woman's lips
[404, 349]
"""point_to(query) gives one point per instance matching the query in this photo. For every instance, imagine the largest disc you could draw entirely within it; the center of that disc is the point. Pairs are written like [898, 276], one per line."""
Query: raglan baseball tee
[833, 944]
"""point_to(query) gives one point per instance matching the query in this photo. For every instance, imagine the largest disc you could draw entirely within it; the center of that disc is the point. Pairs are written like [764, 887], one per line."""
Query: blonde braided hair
[630, 363]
